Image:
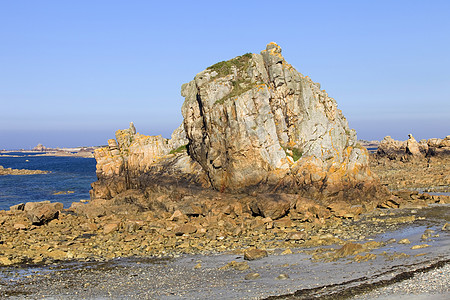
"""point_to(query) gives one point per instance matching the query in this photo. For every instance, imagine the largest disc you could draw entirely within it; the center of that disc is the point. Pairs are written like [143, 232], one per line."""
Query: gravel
[434, 284]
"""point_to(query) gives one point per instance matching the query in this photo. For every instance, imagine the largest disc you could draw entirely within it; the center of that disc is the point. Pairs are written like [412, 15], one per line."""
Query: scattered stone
[367, 257]
[185, 229]
[254, 254]
[446, 227]
[282, 276]
[20, 226]
[111, 227]
[349, 249]
[287, 251]
[238, 266]
[419, 246]
[198, 266]
[5, 261]
[17, 207]
[404, 241]
[252, 276]
[297, 236]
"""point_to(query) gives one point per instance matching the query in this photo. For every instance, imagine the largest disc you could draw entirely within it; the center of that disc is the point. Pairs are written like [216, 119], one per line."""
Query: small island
[9, 171]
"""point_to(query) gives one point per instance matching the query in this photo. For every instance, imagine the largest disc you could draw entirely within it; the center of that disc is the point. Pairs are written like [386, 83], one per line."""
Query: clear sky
[73, 72]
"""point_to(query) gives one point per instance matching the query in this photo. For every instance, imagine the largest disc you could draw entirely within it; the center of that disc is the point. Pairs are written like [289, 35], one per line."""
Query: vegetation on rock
[178, 150]
[224, 68]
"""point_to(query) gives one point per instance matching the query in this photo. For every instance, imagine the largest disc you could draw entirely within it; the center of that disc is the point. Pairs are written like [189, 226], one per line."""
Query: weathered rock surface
[254, 254]
[252, 124]
[255, 123]
[42, 212]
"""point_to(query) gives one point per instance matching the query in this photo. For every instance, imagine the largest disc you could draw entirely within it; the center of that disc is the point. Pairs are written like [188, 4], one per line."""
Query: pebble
[404, 241]
[283, 276]
[434, 284]
[419, 246]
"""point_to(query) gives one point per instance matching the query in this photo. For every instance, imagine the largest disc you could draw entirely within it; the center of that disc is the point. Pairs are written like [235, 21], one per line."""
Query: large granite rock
[252, 124]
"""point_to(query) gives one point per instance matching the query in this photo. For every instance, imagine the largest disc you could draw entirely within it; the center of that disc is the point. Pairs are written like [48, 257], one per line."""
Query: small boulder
[20, 226]
[5, 261]
[254, 254]
[419, 246]
[282, 276]
[297, 236]
[42, 212]
[17, 207]
[251, 276]
[274, 206]
[404, 241]
[111, 227]
[185, 229]
[349, 249]
[238, 266]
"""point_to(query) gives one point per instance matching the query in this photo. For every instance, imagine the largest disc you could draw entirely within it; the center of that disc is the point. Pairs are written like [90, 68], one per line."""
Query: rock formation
[411, 149]
[252, 124]
[9, 171]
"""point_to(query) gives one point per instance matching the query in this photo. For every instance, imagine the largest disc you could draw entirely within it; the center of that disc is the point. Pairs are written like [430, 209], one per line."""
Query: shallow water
[73, 174]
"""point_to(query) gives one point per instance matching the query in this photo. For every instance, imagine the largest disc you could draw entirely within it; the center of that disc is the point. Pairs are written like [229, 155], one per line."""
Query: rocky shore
[44, 232]
[412, 165]
[352, 257]
[9, 171]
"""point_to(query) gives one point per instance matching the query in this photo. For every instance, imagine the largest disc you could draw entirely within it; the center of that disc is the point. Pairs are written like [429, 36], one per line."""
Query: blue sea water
[67, 174]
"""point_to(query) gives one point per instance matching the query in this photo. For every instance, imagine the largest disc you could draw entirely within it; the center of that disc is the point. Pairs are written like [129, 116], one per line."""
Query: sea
[69, 181]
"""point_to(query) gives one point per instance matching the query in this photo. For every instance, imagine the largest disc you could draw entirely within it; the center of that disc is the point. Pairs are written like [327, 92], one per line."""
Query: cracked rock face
[254, 121]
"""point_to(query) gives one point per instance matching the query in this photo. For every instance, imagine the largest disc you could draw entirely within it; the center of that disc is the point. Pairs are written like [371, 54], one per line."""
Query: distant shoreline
[85, 152]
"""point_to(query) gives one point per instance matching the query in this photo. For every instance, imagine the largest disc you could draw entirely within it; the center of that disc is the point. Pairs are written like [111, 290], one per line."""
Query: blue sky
[73, 72]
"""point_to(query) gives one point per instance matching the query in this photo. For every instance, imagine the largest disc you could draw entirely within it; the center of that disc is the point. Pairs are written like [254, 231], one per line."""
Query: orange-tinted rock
[110, 227]
[42, 212]
[273, 206]
[349, 249]
[254, 254]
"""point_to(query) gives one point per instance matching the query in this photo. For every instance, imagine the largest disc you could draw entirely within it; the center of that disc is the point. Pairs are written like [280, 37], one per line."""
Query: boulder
[111, 227]
[349, 249]
[254, 254]
[17, 207]
[412, 146]
[273, 206]
[42, 212]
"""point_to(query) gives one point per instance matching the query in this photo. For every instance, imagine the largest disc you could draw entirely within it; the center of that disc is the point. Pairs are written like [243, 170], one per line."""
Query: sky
[73, 72]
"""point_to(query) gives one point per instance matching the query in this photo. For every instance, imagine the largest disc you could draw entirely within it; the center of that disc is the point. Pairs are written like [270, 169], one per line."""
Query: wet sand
[391, 267]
